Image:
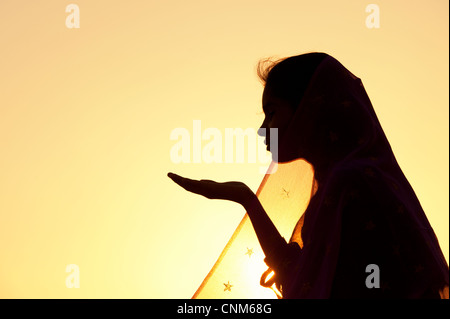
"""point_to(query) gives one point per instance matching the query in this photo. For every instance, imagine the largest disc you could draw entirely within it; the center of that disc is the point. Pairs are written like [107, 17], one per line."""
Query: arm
[278, 253]
[268, 236]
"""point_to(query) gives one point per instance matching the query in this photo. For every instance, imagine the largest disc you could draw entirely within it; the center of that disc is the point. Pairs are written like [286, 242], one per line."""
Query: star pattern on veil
[227, 286]
[249, 252]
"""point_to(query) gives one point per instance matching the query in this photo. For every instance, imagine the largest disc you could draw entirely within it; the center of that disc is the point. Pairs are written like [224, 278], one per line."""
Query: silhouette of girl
[363, 213]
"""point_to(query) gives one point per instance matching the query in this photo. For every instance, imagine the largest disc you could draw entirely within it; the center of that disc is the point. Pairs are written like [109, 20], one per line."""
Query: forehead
[270, 100]
[267, 96]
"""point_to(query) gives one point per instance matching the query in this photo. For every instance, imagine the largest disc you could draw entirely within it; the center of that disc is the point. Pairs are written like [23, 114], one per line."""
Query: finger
[187, 183]
[207, 181]
[178, 179]
[172, 176]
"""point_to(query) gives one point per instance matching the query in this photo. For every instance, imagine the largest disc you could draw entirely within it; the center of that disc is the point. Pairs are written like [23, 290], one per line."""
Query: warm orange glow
[86, 114]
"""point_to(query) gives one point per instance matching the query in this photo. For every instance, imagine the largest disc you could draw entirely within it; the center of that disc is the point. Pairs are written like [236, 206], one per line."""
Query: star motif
[227, 286]
[333, 136]
[353, 193]
[249, 252]
[285, 192]
[370, 225]
[418, 268]
[369, 172]
[306, 287]
[384, 285]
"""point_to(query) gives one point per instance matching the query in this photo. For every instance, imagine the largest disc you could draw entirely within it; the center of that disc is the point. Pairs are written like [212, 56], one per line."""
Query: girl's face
[278, 114]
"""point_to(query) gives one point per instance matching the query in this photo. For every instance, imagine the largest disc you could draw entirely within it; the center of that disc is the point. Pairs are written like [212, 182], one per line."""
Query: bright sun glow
[86, 115]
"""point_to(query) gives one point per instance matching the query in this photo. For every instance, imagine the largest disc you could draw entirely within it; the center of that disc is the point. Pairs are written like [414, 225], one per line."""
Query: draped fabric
[284, 193]
[340, 195]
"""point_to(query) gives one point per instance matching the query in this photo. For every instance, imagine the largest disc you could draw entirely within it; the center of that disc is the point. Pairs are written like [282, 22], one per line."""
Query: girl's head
[288, 78]
[285, 82]
[321, 111]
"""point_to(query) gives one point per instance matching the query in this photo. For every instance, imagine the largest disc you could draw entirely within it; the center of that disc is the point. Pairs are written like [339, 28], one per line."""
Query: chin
[283, 157]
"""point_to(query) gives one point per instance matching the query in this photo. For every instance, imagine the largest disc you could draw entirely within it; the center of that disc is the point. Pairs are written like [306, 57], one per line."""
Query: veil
[334, 162]
[284, 195]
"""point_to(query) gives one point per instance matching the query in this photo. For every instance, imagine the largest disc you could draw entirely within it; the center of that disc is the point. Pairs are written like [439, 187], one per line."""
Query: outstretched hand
[234, 191]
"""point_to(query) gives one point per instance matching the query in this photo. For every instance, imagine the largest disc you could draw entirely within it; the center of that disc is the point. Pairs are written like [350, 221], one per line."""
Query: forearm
[268, 235]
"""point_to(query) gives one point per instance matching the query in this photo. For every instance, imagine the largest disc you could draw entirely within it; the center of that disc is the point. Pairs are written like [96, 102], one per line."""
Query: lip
[267, 142]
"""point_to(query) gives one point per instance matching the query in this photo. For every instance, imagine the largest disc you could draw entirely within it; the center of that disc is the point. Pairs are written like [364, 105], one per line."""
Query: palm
[234, 191]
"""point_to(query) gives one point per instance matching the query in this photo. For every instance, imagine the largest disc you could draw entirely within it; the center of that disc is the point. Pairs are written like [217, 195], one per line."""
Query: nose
[263, 131]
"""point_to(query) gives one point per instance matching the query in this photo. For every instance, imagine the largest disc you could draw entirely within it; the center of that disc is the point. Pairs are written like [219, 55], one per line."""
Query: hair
[289, 77]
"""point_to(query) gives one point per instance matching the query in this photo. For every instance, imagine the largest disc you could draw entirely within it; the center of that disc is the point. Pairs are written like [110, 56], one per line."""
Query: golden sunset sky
[86, 116]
